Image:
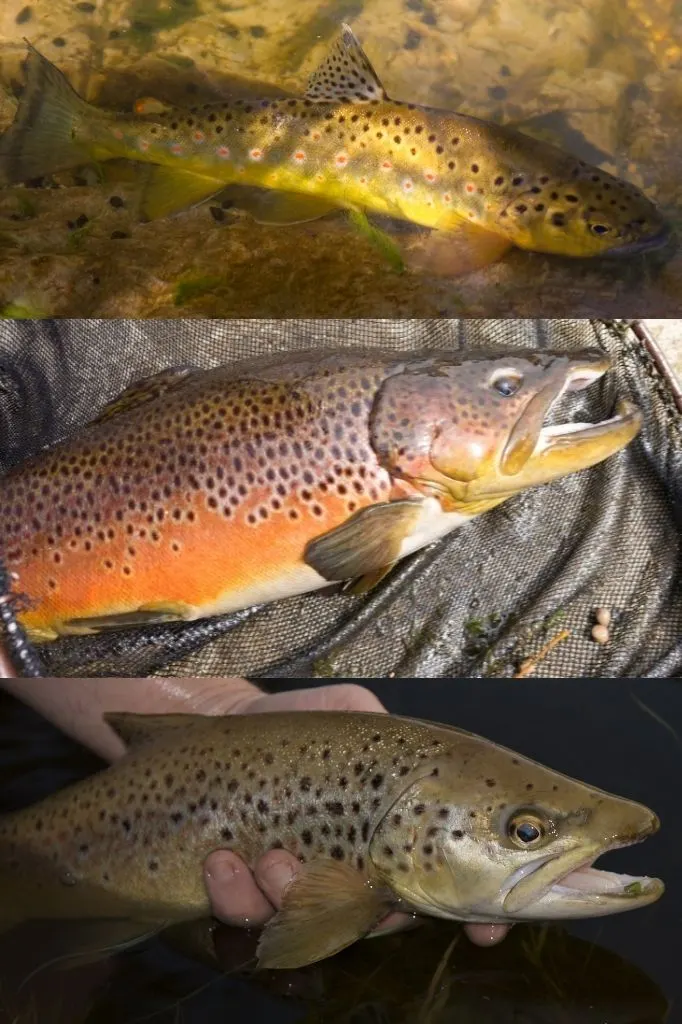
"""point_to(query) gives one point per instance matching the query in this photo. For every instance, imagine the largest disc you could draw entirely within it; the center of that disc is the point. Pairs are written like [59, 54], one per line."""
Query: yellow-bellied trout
[200, 492]
[383, 813]
[346, 145]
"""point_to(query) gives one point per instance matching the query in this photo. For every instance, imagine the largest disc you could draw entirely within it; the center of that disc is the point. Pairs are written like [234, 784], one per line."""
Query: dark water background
[623, 736]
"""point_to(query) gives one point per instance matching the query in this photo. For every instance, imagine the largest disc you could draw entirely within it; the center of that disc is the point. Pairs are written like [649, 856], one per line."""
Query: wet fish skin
[202, 492]
[381, 811]
[345, 144]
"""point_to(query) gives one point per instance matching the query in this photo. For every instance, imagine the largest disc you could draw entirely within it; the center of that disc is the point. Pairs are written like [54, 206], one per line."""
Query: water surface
[600, 78]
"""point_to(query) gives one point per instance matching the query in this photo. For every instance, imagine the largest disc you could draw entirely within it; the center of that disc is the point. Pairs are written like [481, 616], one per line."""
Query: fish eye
[506, 384]
[599, 229]
[526, 830]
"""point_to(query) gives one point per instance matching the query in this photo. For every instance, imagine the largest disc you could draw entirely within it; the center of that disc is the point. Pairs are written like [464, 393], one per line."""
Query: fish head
[590, 213]
[476, 431]
[494, 837]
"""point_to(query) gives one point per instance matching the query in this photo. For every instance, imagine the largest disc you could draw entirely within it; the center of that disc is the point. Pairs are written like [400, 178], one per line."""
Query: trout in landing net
[383, 812]
[344, 145]
[200, 492]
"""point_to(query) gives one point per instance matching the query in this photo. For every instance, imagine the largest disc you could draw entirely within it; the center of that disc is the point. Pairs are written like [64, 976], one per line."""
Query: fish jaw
[570, 887]
[538, 454]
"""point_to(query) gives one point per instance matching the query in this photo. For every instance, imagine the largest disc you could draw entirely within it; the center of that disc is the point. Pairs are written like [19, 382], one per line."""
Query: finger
[336, 697]
[234, 895]
[486, 934]
[274, 871]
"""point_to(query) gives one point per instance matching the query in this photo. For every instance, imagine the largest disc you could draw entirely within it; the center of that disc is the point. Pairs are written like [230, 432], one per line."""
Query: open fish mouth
[650, 243]
[543, 889]
[588, 881]
[626, 421]
[537, 452]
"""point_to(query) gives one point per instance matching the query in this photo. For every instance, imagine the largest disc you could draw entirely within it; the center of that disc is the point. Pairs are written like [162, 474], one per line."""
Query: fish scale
[382, 812]
[347, 145]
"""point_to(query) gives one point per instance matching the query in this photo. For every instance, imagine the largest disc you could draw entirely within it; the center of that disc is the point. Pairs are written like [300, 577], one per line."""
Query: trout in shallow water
[383, 812]
[346, 145]
[200, 492]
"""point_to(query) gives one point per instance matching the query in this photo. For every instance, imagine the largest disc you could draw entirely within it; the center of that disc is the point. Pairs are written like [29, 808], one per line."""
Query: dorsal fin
[136, 730]
[345, 75]
[145, 390]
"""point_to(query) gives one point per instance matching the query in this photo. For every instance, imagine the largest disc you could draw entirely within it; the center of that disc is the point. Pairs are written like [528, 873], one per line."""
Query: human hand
[241, 897]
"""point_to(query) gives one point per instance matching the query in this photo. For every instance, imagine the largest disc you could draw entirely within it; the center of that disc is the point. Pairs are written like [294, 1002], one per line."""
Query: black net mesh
[477, 603]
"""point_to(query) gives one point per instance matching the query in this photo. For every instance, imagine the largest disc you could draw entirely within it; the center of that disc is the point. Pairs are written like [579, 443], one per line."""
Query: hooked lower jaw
[626, 422]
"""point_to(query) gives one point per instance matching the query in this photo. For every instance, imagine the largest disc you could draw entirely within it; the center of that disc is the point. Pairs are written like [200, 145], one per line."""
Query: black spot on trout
[130, 842]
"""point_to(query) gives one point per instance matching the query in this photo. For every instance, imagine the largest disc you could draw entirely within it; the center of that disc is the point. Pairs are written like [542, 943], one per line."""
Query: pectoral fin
[168, 191]
[328, 906]
[455, 252]
[144, 390]
[268, 207]
[369, 581]
[370, 541]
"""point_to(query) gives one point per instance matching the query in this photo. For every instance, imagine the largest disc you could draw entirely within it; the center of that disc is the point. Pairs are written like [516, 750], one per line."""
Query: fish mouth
[534, 456]
[648, 244]
[551, 889]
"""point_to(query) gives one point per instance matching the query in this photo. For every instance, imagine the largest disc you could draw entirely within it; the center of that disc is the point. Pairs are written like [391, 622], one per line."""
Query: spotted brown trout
[383, 813]
[345, 145]
[200, 492]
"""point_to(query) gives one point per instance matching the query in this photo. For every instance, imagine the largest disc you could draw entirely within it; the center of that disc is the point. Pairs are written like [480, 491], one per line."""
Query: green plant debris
[22, 311]
[474, 627]
[382, 242]
[634, 889]
[193, 288]
[27, 208]
[77, 238]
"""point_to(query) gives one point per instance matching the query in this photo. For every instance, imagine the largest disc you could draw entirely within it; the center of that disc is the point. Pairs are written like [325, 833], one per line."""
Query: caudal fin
[47, 133]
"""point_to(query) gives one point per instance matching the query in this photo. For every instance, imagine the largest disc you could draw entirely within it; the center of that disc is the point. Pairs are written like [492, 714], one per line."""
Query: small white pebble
[603, 616]
[600, 634]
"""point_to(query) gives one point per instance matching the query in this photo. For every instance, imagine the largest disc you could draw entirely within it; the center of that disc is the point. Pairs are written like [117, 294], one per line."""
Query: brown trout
[200, 492]
[345, 145]
[383, 813]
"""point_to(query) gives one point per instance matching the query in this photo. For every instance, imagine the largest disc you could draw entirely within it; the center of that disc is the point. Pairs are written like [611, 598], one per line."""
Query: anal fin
[124, 620]
[370, 541]
[328, 906]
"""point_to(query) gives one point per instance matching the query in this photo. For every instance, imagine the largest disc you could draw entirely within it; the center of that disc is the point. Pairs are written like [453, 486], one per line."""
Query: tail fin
[43, 136]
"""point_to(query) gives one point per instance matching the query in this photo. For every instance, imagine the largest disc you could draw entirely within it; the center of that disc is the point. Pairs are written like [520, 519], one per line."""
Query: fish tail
[47, 133]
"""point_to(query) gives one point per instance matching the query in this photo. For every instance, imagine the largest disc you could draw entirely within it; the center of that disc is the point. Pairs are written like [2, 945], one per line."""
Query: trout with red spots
[199, 492]
[346, 145]
[383, 813]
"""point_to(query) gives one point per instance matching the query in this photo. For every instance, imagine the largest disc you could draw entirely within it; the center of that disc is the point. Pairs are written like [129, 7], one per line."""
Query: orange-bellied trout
[345, 144]
[383, 812]
[199, 492]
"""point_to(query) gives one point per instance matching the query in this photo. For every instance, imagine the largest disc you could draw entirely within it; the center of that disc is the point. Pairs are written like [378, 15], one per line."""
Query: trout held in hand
[344, 145]
[383, 813]
[200, 492]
